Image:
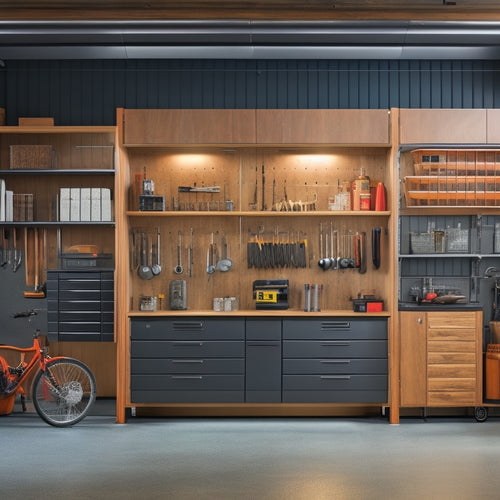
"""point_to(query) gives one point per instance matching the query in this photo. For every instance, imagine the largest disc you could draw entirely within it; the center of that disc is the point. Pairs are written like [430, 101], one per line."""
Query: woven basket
[32, 157]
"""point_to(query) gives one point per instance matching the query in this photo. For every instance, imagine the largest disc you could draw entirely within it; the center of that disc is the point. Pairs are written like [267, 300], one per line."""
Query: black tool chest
[259, 360]
[80, 305]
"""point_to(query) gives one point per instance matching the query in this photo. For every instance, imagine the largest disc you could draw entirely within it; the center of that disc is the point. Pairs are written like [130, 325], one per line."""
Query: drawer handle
[188, 325]
[336, 361]
[335, 325]
[335, 344]
[188, 342]
[336, 377]
[188, 361]
[187, 377]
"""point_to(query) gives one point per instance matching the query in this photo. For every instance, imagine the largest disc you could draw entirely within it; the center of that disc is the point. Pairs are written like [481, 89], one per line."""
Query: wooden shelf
[449, 210]
[455, 196]
[318, 213]
[55, 171]
[57, 223]
[258, 313]
[58, 130]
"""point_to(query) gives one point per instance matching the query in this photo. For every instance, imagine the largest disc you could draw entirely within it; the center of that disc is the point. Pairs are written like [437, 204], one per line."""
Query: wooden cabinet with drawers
[441, 358]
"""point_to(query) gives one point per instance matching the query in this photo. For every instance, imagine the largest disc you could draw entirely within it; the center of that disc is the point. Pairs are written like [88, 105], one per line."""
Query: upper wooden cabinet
[323, 126]
[188, 126]
[244, 127]
[493, 126]
[443, 126]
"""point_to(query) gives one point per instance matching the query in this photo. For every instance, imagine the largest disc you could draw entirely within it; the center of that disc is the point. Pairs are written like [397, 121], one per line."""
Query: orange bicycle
[63, 389]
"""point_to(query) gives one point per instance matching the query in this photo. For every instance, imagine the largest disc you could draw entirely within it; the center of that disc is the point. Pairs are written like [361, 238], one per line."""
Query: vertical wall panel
[88, 92]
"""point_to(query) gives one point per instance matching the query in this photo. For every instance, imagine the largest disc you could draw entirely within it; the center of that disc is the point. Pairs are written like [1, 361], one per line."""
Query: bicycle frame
[40, 358]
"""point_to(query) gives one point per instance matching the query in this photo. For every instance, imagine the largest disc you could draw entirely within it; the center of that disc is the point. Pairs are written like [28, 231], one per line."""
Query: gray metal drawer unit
[187, 360]
[263, 360]
[80, 305]
[341, 360]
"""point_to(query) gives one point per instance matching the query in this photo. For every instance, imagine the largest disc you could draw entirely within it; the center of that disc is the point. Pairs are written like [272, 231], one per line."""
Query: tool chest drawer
[203, 366]
[189, 382]
[188, 329]
[335, 328]
[336, 396]
[80, 306]
[334, 366]
[334, 382]
[187, 348]
[186, 396]
[187, 389]
[335, 349]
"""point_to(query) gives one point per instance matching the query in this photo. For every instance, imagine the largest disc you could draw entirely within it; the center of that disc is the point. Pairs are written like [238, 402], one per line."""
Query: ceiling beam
[436, 10]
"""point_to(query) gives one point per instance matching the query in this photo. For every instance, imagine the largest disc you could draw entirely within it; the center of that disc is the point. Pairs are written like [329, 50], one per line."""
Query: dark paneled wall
[88, 92]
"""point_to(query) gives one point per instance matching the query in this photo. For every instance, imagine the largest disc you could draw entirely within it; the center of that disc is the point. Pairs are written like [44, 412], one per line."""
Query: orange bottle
[361, 191]
[380, 202]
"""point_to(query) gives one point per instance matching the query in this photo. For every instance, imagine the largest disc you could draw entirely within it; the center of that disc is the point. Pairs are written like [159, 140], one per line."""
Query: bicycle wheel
[64, 392]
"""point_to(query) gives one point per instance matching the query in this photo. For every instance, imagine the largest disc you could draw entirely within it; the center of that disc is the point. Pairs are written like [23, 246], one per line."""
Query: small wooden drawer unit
[441, 359]
[187, 360]
[335, 360]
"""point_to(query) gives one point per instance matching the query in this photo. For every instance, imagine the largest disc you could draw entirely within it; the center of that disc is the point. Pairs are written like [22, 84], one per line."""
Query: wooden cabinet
[185, 150]
[188, 126]
[442, 126]
[441, 358]
[325, 126]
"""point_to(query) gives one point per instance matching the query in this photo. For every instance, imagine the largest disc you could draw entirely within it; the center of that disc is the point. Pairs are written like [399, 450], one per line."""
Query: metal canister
[364, 201]
[218, 304]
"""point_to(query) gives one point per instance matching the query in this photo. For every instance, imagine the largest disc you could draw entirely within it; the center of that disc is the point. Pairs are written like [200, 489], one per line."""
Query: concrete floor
[250, 458]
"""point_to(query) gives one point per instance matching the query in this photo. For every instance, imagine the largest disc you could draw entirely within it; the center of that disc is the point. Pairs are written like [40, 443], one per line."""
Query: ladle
[144, 270]
[225, 263]
[156, 268]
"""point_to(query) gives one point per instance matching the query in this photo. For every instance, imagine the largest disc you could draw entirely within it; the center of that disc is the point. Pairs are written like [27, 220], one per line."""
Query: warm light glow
[193, 160]
[317, 159]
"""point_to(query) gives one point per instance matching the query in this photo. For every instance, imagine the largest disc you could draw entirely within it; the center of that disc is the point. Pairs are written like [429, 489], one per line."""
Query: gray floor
[275, 458]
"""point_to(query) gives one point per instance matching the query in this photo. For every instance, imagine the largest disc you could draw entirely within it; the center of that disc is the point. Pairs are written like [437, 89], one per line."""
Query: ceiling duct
[249, 40]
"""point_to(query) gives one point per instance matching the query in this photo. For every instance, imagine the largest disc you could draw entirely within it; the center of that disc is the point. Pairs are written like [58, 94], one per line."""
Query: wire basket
[422, 242]
[457, 240]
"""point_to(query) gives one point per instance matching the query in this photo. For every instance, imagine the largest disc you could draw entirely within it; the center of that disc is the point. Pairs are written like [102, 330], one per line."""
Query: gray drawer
[365, 397]
[263, 329]
[336, 328]
[334, 382]
[335, 349]
[188, 328]
[187, 348]
[188, 366]
[188, 382]
[334, 366]
[79, 305]
[164, 396]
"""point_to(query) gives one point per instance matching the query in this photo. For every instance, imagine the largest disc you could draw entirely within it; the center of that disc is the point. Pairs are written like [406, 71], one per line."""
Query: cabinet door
[413, 358]
[263, 360]
[442, 126]
[322, 126]
[189, 126]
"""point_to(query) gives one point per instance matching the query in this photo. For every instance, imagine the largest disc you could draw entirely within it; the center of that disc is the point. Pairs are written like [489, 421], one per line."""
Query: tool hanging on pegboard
[280, 251]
